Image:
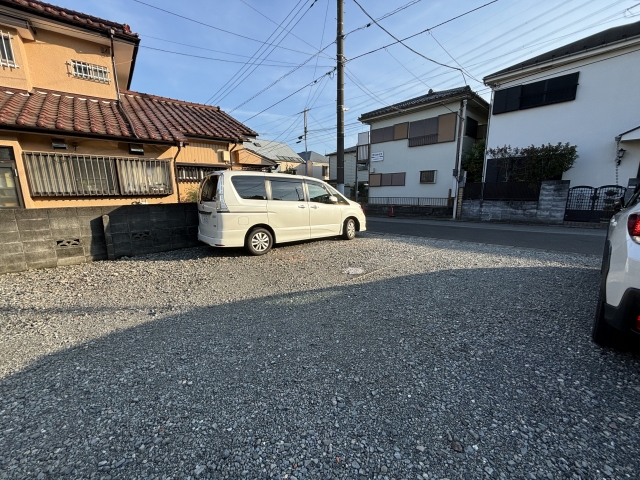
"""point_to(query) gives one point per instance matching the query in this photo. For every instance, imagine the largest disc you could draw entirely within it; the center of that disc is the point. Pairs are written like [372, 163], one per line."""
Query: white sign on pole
[377, 156]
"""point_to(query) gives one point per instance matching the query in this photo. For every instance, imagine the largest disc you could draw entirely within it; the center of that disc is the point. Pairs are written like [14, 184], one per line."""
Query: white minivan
[257, 210]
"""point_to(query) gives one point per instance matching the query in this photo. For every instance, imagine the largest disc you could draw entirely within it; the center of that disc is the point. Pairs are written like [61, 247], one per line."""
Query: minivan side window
[249, 187]
[317, 193]
[287, 190]
[208, 192]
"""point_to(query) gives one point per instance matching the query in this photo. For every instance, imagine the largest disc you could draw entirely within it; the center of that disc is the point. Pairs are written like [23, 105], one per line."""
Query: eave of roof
[603, 39]
[428, 100]
[71, 17]
[346, 150]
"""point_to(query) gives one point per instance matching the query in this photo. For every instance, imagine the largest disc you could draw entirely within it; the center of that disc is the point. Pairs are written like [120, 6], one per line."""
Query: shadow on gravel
[395, 378]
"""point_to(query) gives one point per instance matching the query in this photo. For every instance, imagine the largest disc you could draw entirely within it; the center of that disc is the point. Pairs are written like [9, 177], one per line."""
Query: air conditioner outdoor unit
[225, 156]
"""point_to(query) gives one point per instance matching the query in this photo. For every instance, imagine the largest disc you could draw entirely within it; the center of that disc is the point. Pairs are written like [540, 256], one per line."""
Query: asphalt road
[588, 241]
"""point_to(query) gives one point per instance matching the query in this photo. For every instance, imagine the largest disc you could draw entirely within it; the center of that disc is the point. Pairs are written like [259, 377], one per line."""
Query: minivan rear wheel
[259, 241]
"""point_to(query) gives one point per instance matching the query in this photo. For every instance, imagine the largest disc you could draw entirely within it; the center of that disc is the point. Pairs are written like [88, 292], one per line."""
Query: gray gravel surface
[390, 357]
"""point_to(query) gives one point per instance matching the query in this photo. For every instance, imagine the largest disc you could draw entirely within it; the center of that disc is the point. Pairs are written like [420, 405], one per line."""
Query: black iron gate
[589, 204]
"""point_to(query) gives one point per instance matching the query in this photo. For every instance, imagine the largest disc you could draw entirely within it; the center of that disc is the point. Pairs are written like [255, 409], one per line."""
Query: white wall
[399, 157]
[316, 170]
[349, 169]
[607, 104]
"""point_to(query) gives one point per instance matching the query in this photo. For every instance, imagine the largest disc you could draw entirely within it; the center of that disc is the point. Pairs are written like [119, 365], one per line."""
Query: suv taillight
[633, 225]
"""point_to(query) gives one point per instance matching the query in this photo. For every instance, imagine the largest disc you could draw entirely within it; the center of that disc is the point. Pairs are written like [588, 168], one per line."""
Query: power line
[223, 59]
[216, 28]
[402, 42]
[324, 27]
[236, 79]
[272, 21]
[424, 31]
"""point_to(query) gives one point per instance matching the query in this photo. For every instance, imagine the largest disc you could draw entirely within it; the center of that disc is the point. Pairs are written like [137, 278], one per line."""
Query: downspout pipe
[462, 124]
[231, 156]
[115, 78]
[175, 169]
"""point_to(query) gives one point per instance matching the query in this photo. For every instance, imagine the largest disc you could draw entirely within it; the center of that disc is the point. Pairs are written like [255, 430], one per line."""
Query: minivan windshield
[208, 189]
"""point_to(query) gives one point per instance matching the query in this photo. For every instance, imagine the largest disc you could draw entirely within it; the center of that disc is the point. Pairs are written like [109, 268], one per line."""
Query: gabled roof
[346, 150]
[152, 116]
[276, 151]
[429, 98]
[140, 116]
[71, 17]
[313, 157]
[598, 40]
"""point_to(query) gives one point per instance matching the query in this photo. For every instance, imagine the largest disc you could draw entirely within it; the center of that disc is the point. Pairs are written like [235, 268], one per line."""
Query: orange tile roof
[140, 116]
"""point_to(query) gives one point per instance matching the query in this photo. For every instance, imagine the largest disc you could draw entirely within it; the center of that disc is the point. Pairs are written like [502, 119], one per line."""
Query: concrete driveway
[392, 357]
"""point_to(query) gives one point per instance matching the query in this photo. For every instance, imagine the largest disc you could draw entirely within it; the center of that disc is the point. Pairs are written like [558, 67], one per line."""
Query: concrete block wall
[43, 238]
[549, 209]
[408, 211]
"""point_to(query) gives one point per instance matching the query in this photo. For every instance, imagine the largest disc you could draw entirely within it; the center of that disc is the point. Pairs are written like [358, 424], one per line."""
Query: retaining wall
[51, 237]
[549, 209]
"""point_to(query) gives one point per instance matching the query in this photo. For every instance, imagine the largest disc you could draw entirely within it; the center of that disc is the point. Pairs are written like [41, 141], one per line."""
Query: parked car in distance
[258, 210]
[618, 308]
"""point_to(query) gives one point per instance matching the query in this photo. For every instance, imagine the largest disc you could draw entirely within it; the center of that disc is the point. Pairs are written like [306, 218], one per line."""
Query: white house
[417, 145]
[350, 165]
[585, 93]
[315, 165]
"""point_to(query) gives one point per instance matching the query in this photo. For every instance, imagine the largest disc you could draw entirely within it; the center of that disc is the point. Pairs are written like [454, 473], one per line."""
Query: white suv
[618, 309]
[257, 210]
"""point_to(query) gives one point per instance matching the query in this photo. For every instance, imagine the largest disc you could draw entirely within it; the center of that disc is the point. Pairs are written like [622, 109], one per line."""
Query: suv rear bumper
[624, 316]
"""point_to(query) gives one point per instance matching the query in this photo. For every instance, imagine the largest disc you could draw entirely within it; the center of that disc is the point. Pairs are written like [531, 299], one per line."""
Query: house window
[142, 176]
[432, 130]
[471, 128]
[194, 173]
[380, 135]
[89, 71]
[64, 175]
[428, 176]
[536, 94]
[7, 59]
[325, 171]
[387, 179]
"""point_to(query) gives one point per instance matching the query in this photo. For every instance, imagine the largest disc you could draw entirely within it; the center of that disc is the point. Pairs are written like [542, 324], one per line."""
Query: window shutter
[374, 180]
[386, 179]
[532, 95]
[400, 131]
[561, 89]
[447, 127]
[506, 100]
[417, 128]
[397, 179]
[377, 135]
[388, 134]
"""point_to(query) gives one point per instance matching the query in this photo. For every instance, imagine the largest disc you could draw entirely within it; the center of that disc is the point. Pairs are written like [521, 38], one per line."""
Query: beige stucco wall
[42, 143]
[47, 59]
[16, 77]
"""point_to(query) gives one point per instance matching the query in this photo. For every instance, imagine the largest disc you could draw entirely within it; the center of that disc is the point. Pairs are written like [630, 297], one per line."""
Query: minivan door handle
[301, 206]
[313, 206]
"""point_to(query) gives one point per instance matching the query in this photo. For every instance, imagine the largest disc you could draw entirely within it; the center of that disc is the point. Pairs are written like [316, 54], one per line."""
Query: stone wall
[51, 237]
[549, 209]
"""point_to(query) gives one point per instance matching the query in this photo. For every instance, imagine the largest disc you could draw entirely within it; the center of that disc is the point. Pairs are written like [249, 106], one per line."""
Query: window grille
[189, 173]
[65, 175]
[89, 71]
[428, 176]
[7, 58]
[142, 176]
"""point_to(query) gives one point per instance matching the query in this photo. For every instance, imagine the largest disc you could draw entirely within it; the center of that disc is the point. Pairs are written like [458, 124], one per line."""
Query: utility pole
[305, 129]
[340, 106]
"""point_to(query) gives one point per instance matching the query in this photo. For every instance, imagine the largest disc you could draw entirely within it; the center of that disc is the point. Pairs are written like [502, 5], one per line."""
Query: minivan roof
[259, 174]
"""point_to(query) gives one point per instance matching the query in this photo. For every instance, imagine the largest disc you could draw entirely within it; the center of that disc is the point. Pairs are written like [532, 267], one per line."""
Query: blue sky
[492, 38]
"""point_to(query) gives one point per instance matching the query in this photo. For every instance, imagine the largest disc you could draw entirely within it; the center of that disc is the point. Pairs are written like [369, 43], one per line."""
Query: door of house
[588, 204]
[9, 186]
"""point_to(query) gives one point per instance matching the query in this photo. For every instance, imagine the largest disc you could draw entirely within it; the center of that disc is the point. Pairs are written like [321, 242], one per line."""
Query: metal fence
[517, 191]
[409, 201]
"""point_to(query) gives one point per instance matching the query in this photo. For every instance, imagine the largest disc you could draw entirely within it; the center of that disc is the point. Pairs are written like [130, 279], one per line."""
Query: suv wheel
[259, 241]
[349, 229]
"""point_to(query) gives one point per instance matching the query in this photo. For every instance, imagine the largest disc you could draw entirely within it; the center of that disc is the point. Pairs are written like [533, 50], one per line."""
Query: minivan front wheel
[259, 241]
[349, 230]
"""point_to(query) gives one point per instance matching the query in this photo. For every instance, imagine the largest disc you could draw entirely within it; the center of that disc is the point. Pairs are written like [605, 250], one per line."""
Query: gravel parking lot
[385, 357]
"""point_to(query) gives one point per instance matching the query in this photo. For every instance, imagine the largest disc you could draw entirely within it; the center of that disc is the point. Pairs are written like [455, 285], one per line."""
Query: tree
[533, 164]
[473, 162]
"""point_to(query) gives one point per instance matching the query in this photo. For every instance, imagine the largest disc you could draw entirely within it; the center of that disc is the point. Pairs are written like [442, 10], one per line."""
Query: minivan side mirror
[333, 199]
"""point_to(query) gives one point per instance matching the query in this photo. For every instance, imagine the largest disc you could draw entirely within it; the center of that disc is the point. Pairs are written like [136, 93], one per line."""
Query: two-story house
[315, 165]
[73, 134]
[416, 146]
[584, 93]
